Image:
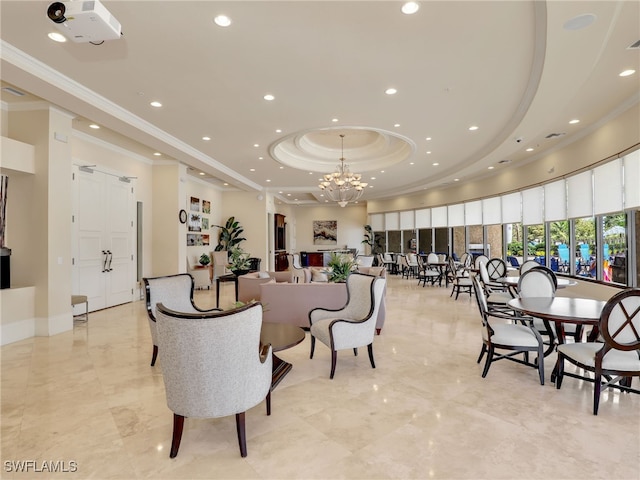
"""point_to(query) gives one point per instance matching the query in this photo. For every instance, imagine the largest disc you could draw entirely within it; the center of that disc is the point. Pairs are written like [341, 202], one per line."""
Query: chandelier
[342, 186]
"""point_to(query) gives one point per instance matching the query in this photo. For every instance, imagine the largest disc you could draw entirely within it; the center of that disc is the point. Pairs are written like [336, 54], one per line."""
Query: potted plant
[339, 267]
[239, 262]
[204, 260]
[229, 235]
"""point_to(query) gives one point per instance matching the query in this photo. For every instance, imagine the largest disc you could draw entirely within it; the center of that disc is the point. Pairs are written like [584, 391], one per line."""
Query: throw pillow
[263, 275]
[319, 276]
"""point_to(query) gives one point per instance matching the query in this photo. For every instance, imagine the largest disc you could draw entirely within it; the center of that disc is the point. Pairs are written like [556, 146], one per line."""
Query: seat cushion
[512, 335]
[585, 353]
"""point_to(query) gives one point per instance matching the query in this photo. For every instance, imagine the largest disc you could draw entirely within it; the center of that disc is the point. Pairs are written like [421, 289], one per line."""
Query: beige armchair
[175, 292]
[353, 325]
[212, 366]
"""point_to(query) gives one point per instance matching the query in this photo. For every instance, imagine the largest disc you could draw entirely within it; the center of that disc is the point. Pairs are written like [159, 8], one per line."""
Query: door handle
[104, 261]
[110, 257]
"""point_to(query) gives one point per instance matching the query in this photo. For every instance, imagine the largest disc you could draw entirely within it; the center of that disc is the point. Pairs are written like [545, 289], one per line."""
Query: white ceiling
[508, 67]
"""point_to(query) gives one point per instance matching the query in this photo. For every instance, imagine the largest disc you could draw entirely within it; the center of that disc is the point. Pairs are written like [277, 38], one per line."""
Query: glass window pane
[409, 241]
[442, 240]
[424, 240]
[514, 241]
[380, 242]
[395, 245]
[459, 246]
[586, 247]
[559, 247]
[536, 244]
[614, 248]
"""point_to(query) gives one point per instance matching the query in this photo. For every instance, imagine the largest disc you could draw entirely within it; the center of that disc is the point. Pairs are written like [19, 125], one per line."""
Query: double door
[103, 250]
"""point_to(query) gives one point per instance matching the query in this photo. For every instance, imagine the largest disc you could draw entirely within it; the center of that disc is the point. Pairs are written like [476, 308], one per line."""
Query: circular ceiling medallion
[320, 149]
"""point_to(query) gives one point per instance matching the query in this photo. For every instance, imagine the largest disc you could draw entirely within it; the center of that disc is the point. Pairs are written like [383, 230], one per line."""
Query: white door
[103, 239]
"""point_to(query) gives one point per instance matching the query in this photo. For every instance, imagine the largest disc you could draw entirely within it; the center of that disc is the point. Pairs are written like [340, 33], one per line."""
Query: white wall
[351, 221]
[250, 210]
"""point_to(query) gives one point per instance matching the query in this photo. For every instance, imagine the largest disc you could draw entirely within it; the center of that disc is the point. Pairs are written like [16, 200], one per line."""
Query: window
[394, 241]
[614, 248]
[409, 243]
[494, 240]
[425, 240]
[514, 241]
[559, 247]
[380, 242]
[535, 244]
[459, 245]
[442, 240]
[586, 248]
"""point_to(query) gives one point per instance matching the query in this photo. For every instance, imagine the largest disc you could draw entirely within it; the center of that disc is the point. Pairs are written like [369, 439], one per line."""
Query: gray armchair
[212, 366]
[353, 325]
[175, 292]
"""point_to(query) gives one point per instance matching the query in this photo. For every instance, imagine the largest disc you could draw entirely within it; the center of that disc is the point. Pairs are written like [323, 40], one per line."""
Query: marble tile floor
[90, 397]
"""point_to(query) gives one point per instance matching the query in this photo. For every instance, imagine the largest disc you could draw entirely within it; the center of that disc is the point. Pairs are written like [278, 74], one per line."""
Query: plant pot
[237, 273]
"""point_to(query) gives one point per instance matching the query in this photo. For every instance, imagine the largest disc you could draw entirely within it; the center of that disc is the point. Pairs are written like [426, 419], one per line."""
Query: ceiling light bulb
[491, 167]
[428, 139]
[206, 139]
[435, 164]
[278, 130]
[410, 8]
[268, 180]
[334, 120]
[222, 21]
[94, 126]
[202, 173]
[473, 127]
[57, 37]
[626, 73]
[252, 169]
[456, 179]
[391, 91]
[225, 184]
[256, 145]
[529, 149]
[157, 154]
[269, 97]
[155, 104]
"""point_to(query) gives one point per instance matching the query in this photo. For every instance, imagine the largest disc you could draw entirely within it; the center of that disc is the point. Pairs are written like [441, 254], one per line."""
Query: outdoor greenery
[229, 236]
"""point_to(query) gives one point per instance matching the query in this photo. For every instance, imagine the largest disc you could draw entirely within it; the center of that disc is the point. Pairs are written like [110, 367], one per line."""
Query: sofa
[291, 302]
[249, 284]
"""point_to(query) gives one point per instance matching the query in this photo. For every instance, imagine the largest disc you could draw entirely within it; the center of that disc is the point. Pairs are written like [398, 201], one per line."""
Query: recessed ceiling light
[435, 164]
[260, 158]
[530, 149]
[57, 37]
[370, 186]
[574, 121]
[225, 184]
[456, 179]
[411, 163]
[278, 130]
[269, 97]
[310, 173]
[256, 145]
[396, 125]
[94, 126]
[334, 120]
[268, 180]
[222, 21]
[373, 178]
[428, 139]
[428, 152]
[410, 8]
[202, 173]
[391, 91]
[295, 199]
[490, 168]
[280, 192]
[281, 167]
[626, 73]
[288, 194]
[157, 154]
[252, 169]
[206, 139]
[381, 171]
[322, 194]
[579, 22]
[473, 127]
[155, 104]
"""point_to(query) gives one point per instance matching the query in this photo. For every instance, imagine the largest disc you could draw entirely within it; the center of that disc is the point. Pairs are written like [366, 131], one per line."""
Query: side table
[222, 279]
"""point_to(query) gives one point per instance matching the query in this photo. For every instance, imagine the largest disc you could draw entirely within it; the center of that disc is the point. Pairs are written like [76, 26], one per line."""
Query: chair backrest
[480, 259]
[481, 299]
[254, 264]
[388, 258]
[361, 296]
[513, 261]
[484, 274]
[220, 262]
[175, 291]
[528, 265]
[296, 261]
[432, 258]
[620, 321]
[211, 362]
[496, 268]
[537, 282]
[365, 260]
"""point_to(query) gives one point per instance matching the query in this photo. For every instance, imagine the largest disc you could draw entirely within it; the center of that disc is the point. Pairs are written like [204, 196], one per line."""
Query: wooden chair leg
[596, 392]
[268, 399]
[154, 355]
[334, 358]
[313, 345]
[482, 352]
[242, 438]
[178, 424]
[370, 349]
[355, 352]
[487, 363]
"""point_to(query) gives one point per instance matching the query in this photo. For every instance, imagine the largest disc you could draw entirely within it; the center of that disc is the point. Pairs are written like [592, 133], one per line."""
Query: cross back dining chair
[496, 268]
[353, 325]
[616, 356]
[461, 283]
[528, 265]
[213, 366]
[496, 294]
[175, 292]
[500, 333]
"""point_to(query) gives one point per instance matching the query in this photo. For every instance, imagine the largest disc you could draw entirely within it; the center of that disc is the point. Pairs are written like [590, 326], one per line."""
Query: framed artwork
[194, 204]
[206, 206]
[205, 239]
[192, 239]
[325, 232]
[205, 224]
[195, 222]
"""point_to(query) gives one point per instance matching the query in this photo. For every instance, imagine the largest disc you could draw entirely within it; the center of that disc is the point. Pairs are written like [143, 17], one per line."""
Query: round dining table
[513, 281]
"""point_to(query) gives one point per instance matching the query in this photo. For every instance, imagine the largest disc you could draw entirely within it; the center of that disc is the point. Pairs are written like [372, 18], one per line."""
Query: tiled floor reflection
[90, 397]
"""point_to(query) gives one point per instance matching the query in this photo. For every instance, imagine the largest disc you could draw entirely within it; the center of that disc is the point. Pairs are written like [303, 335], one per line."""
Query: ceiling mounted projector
[84, 21]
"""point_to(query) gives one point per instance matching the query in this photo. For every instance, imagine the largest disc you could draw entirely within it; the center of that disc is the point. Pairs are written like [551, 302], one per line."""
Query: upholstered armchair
[175, 292]
[353, 325]
[212, 366]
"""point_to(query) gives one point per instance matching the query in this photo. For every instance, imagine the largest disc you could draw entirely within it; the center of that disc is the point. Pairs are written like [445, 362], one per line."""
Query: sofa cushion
[319, 275]
[263, 275]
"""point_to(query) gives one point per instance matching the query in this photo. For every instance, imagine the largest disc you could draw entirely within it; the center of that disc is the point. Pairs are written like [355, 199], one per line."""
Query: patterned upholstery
[211, 363]
[175, 292]
[353, 325]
